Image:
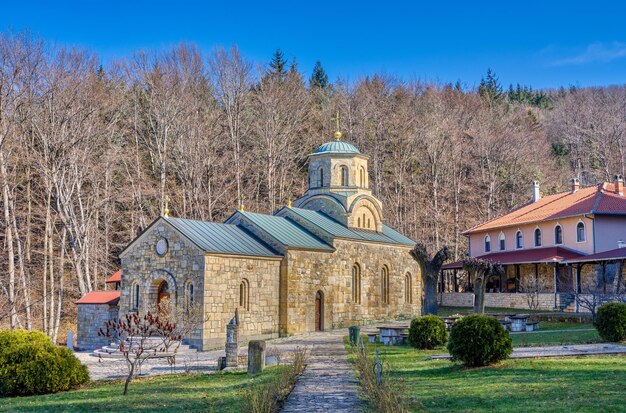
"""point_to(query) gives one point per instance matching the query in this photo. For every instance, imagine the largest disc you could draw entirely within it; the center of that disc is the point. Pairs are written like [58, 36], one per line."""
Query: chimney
[621, 244]
[618, 180]
[574, 184]
[536, 193]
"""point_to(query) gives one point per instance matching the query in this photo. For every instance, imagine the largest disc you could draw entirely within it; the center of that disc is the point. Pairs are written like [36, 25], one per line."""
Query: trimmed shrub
[427, 332]
[478, 340]
[31, 364]
[611, 322]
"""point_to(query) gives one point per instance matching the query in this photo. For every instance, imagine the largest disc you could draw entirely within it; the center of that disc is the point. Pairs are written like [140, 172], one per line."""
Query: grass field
[219, 392]
[595, 383]
[578, 335]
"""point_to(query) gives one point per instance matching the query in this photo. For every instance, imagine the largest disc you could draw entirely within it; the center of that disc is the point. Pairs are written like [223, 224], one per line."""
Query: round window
[161, 246]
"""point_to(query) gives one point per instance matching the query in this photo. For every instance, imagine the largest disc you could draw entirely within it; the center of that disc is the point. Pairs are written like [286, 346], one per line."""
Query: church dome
[336, 146]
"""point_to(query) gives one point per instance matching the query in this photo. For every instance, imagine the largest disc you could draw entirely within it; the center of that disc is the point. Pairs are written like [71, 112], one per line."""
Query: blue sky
[541, 44]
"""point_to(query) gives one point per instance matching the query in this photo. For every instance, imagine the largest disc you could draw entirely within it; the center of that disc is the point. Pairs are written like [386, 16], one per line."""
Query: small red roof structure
[597, 199]
[115, 278]
[100, 297]
[616, 254]
[537, 255]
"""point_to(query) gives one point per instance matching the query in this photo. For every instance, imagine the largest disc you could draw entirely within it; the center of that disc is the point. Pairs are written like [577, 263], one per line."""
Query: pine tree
[490, 87]
[278, 65]
[319, 78]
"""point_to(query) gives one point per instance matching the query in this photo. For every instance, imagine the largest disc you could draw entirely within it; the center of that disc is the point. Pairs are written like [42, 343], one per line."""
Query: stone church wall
[258, 317]
[90, 319]
[182, 264]
[331, 273]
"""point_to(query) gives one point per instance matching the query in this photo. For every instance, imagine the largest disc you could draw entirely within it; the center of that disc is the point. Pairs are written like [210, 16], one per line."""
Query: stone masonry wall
[308, 272]
[499, 300]
[259, 319]
[182, 264]
[91, 317]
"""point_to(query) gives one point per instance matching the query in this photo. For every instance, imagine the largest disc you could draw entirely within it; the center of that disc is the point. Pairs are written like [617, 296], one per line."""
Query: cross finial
[289, 203]
[166, 206]
[337, 133]
[241, 207]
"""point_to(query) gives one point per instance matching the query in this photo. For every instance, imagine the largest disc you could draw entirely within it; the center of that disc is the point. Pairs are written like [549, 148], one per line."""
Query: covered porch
[557, 277]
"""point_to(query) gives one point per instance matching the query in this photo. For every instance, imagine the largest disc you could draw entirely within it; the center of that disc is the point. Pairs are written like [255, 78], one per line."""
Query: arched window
[502, 241]
[320, 175]
[580, 232]
[384, 282]
[369, 223]
[188, 295]
[344, 176]
[244, 294]
[558, 235]
[408, 288]
[519, 240]
[358, 222]
[356, 284]
[135, 296]
[487, 243]
[362, 177]
[538, 237]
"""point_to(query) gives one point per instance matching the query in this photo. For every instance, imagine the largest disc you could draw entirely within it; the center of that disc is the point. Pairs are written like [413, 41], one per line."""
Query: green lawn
[219, 392]
[583, 384]
[577, 336]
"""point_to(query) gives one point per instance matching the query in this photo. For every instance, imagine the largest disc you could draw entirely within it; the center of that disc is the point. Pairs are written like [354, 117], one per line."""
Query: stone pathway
[328, 383]
[558, 351]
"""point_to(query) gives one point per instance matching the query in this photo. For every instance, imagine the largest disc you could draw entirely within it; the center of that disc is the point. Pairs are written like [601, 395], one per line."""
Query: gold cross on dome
[337, 133]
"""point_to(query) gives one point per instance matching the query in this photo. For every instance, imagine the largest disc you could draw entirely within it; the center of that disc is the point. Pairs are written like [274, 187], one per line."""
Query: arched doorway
[163, 295]
[319, 311]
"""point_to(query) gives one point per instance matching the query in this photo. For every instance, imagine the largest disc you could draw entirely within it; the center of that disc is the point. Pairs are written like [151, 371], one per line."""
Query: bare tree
[430, 270]
[480, 270]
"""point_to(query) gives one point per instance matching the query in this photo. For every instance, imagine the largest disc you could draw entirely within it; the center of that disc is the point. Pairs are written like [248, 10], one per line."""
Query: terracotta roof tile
[597, 199]
[115, 278]
[100, 297]
[616, 254]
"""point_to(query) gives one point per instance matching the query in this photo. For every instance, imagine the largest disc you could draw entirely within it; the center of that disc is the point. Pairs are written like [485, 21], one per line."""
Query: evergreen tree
[319, 78]
[278, 64]
[490, 87]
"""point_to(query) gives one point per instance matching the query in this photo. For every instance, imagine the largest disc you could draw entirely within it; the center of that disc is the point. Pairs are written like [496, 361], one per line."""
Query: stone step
[112, 351]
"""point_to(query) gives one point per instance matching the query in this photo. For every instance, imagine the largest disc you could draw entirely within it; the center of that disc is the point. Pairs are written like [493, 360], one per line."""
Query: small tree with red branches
[141, 337]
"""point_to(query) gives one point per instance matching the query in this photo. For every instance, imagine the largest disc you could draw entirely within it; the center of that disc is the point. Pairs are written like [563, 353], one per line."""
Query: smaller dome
[336, 146]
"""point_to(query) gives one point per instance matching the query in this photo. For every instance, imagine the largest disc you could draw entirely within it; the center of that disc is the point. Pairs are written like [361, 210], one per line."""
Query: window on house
[408, 288]
[537, 237]
[580, 232]
[502, 242]
[344, 176]
[558, 235]
[384, 280]
[519, 239]
[244, 294]
[320, 175]
[487, 243]
[362, 177]
[356, 284]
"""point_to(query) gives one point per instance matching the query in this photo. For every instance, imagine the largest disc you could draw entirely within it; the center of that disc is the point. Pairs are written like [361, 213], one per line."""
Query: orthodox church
[325, 261]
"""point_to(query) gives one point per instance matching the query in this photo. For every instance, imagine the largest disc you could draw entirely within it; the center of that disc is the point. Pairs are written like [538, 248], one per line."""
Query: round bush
[611, 322]
[427, 332]
[31, 364]
[478, 340]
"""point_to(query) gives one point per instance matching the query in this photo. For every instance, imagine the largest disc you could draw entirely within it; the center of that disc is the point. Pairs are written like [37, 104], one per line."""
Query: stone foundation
[498, 300]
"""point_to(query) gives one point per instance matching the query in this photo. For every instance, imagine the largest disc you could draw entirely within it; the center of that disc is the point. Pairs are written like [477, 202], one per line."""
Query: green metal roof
[337, 229]
[220, 238]
[336, 146]
[287, 232]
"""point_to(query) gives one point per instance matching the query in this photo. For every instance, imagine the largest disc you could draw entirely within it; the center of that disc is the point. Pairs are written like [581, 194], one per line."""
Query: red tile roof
[616, 254]
[530, 256]
[115, 278]
[598, 199]
[100, 297]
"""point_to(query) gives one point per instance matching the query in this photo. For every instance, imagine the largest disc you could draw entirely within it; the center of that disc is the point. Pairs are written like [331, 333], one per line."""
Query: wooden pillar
[455, 281]
[604, 277]
[577, 285]
[518, 277]
[556, 273]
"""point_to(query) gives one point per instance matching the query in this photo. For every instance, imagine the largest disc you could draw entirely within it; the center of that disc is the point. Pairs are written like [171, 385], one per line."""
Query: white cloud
[594, 53]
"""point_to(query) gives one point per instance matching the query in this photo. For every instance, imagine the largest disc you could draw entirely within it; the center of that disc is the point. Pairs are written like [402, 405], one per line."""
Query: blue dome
[336, 146]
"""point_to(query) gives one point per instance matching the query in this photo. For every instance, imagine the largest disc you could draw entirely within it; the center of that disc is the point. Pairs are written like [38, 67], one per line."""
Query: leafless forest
[88, 154]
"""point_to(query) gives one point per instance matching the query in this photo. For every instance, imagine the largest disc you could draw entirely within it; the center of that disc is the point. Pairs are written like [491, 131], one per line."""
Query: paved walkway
[559, 351]
[328, 383]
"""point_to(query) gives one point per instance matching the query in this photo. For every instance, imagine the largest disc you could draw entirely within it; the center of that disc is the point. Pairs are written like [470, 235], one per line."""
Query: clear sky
[544, 44]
